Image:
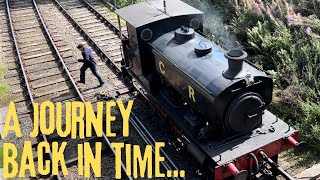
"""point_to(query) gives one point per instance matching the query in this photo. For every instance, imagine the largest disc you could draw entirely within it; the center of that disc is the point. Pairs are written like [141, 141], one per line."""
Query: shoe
[101, 84]
[81, 82]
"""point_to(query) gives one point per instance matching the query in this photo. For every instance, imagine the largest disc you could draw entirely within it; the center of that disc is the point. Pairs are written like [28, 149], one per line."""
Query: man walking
[88, 62]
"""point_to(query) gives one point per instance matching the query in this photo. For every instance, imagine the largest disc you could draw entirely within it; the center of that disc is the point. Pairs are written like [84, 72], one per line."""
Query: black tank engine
[212, 99]
[228, 94]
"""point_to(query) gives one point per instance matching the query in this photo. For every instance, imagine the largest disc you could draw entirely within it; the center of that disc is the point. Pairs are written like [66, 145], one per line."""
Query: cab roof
[151, 11]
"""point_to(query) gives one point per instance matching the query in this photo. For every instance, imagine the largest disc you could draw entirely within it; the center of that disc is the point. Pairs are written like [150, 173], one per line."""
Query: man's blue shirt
[87, 55]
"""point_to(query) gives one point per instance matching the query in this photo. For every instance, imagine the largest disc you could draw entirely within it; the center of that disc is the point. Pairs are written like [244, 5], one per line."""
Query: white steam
[213, 24]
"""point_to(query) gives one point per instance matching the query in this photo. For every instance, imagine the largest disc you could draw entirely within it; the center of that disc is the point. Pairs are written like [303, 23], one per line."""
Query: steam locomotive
[213, 100]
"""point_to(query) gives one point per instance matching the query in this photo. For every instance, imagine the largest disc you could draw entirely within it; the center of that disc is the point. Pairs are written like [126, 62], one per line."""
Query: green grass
[3, 87]
[3, 69]
[1, 156]
[307, 160]
[18, 158]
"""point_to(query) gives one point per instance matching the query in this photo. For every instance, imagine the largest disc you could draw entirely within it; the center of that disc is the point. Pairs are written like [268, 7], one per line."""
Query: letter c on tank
[161, 67]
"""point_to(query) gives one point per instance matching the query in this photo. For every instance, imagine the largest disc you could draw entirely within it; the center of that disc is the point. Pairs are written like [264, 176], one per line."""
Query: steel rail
[57, 52]
[58, 176]
[147, 137]
[149, 140]
[74, 84]
[77, 90]
[114, 152]
[101, 17]
[86, 34]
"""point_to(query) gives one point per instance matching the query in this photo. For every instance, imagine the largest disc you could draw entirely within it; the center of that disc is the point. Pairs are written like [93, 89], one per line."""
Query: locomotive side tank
[229, 93]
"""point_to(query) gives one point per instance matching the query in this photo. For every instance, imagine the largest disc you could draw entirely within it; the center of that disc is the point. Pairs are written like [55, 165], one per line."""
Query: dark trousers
[93, 69]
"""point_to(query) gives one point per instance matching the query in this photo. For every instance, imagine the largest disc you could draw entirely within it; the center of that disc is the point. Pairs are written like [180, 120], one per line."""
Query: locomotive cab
[147, 21]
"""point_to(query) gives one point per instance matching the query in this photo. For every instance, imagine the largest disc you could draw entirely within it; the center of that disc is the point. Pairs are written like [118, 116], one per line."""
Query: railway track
[33, 52]
[28, 38]
[8, 58]
[95, 27]
[35, 46]
[104, 44]
[46, 61]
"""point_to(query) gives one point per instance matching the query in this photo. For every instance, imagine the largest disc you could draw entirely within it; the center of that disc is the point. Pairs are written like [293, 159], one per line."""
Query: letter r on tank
[191, 93]
[161, 67]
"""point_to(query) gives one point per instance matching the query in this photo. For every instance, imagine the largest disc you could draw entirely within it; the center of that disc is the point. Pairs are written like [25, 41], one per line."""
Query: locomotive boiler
[212, 99]
[229, 94]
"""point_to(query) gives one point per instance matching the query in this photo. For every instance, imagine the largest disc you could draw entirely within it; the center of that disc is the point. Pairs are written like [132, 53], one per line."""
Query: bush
[290, 46]
[309, 126]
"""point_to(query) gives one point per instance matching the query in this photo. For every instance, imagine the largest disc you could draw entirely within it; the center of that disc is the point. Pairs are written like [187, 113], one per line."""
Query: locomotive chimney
[183, 34]
[235, 61]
